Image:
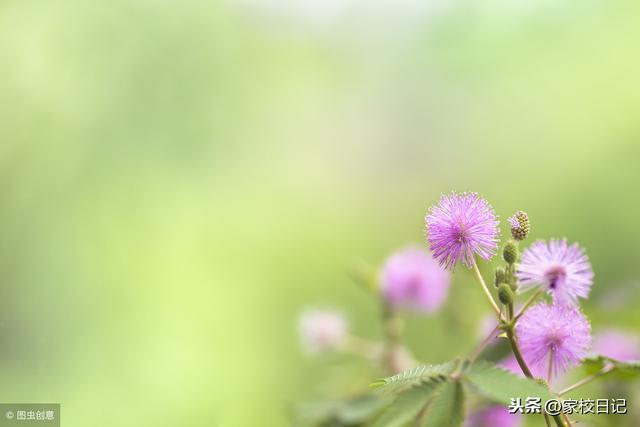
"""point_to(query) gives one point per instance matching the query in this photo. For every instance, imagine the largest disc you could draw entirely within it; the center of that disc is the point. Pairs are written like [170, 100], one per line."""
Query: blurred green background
[180, 179]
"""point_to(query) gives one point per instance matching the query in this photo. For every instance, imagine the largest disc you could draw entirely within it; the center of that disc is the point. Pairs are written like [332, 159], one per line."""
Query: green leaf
[593, 364]
[618, 369]
[348, 411]
[501, 386]
[361, 408]
[447, 408]
[630, 369]
[408, 404]
[312, 413]
[407, 379]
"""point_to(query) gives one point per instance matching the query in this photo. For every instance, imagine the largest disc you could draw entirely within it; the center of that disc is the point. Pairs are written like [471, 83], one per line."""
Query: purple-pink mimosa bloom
[618, 345]
[494, 416]
[412, 280]
[563, 270]
[559, 329]
[461, 226]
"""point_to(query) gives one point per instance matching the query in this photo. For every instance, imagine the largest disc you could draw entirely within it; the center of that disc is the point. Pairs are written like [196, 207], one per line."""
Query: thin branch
[529, 302]
[392, 325]
[527, 372]
[486, 290]
[518, 354]
[423, 412]
[480, 347]
[587, 380]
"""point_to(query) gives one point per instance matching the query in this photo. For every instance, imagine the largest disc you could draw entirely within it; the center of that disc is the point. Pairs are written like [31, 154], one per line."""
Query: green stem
[559, 422]
[480, 348]
[529, 302]
[423, 412]
[393, 330]
[587, 380]
[525, 369]
[517, 353]
[486, 290]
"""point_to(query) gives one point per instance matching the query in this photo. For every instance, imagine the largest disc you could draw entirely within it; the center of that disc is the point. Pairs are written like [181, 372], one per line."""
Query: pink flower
[560, 330]
[563, 270]
[460, 227]
[618, 345]
[412, 280]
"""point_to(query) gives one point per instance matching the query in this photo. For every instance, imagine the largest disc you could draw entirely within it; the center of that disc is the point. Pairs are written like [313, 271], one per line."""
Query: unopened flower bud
[520, 226]
[513, 282]
[510, 252]
[505, 294]
[500, 276]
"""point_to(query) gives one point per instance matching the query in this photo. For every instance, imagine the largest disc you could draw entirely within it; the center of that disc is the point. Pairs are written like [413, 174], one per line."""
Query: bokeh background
[180, 178]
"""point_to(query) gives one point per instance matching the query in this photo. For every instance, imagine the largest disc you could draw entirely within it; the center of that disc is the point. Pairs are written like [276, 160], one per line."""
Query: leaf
[313, 413]
[447, 408]
[360, 408]
[501, 386]
[408, 404]
[593, 364]
[407, 379]
[349, 411]
[630, 369]
[620, 370]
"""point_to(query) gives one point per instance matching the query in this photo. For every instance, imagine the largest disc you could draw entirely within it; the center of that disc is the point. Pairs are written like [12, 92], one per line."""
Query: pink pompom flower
[563, 270]
[461, 226]
[553, 331]
[412, 280]
[618, 345]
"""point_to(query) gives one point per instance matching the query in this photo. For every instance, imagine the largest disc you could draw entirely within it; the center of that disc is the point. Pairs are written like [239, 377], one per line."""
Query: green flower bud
[500, 276]
[520, 226]
[505, 294]
[510, 252]
[513, 282]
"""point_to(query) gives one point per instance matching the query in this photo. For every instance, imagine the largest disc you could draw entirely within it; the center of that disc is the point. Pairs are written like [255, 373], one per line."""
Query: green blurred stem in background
[486, 290]
[392, 324]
